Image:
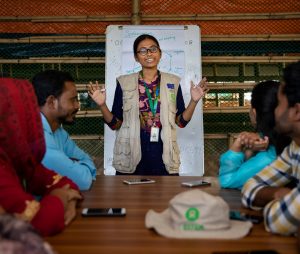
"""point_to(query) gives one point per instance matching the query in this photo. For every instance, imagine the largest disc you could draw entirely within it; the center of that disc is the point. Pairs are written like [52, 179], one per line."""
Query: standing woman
[146, 108]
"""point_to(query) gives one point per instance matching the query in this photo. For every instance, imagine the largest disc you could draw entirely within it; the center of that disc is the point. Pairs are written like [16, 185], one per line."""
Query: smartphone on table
[138, 181]
[94, 212]
[195, 183]
[237, 215]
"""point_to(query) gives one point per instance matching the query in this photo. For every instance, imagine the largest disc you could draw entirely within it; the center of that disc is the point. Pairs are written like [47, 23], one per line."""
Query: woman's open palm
[198, 91]
[97, 93]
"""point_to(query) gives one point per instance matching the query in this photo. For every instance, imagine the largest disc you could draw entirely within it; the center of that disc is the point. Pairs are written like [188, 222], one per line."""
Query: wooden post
[136, 16]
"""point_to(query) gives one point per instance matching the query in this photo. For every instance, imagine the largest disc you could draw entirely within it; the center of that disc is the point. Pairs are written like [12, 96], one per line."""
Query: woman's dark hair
[291, 77]
[264, 101]
[141, 38]
[18, 236]
[50, 82]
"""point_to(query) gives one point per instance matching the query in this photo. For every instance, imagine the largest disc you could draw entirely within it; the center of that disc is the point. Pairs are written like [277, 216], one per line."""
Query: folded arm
[71, 161]
[235, 170]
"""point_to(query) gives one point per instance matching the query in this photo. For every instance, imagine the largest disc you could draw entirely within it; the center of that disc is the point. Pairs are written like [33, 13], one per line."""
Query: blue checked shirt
[282, 216]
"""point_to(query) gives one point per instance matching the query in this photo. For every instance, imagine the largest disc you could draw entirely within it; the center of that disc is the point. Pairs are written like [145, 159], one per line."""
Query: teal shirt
[235, 171]
[66, 158]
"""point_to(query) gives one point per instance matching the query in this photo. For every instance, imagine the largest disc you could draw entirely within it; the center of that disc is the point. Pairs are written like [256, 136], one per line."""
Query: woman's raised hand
[97, 93]
[199, 90]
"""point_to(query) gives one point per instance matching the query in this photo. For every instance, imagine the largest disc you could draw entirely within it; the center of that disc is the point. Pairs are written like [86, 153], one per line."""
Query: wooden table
[129, 235]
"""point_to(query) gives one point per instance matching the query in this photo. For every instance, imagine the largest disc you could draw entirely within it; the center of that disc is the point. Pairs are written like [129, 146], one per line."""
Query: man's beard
[63, 119]
[65, 122]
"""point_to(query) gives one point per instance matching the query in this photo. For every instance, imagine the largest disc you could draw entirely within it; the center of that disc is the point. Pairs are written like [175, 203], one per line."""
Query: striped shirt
[282, 216]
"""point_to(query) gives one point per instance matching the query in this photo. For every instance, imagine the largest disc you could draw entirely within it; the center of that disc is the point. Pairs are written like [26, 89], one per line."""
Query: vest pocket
[175, 149]
[126, 113]
[122, 152]
[123, 146]
[127, 95]
[174, 152]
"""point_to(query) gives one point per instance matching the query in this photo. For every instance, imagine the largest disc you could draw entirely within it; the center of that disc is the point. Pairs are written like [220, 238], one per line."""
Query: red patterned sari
[22, 147]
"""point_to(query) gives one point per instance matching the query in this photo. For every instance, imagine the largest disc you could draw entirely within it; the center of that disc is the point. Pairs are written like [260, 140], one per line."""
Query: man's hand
[281, 192]
[267, 194]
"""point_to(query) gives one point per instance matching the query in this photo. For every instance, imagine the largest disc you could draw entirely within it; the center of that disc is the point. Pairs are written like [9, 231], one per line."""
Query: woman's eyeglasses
[144, 51]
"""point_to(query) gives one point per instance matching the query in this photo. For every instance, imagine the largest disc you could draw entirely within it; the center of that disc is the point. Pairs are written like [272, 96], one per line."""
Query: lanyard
[152, 101]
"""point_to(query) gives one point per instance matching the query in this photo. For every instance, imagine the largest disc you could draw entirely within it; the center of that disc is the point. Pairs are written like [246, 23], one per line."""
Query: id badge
[154, 134]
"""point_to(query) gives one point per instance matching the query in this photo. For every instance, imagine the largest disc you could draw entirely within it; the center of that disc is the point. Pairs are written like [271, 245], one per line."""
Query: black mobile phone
[92, 212]
[237, 215]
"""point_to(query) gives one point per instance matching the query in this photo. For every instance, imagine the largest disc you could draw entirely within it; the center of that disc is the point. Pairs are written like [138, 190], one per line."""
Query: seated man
[268, 188]
[58, 102]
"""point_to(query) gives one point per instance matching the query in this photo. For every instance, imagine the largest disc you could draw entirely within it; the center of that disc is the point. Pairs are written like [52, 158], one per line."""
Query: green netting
[212, 150]
[93, 147]
[86, 126]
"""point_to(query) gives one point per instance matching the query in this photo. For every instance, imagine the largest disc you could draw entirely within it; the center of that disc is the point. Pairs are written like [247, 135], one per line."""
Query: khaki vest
[127, 149]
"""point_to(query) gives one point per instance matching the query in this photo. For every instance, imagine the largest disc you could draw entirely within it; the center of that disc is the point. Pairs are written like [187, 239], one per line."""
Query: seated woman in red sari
[22, 176]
